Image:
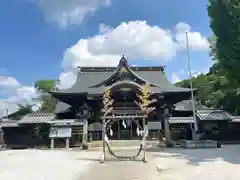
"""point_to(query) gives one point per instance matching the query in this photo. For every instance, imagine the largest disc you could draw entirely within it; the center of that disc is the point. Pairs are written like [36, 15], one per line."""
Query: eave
[67, 97]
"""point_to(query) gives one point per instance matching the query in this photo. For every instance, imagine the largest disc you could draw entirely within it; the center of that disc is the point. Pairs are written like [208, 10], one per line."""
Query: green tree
[22, 111]
[215, 91]
[225, 51]
[48, 101]
[225, 24]
[45, 85]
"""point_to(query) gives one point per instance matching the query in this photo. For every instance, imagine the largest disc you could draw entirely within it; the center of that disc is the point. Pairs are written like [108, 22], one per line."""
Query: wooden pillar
[52, 143]
[103, 141]
[67, 143]
[159, 118]
[145, 132]
[131, 133]
[85, 131]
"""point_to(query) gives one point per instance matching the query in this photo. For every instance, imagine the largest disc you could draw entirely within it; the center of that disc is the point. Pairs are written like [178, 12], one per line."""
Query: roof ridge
[133, 68]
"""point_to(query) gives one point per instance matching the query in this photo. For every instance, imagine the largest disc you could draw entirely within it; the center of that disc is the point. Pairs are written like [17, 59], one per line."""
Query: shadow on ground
[228, 153]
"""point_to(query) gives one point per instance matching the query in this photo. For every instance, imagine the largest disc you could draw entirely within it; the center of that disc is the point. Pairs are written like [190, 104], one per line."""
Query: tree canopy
[23, 110]
[45, 85]
[225, 24]
[220, 88]
[48, 102]
[215, 91]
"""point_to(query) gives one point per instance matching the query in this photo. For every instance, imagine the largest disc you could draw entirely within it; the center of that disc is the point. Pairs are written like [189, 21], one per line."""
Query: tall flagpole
[191, 85]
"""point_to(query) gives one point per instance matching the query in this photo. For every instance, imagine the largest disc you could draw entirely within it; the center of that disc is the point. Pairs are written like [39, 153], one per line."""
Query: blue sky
[37, 36]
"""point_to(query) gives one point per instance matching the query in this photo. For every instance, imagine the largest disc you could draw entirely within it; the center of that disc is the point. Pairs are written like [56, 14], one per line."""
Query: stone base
[85, 146]
[2, 145]
[188, 144]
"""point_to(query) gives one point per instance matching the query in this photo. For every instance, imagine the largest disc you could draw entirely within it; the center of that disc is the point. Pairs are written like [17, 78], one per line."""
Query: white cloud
[69, 12]
[134, 39]
[8, 82]
[67, 79]
[16, 93]
[174, 78]
[195, 39]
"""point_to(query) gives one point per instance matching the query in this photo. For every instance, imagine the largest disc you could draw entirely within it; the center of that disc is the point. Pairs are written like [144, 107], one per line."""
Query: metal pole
[6, 110]
[191, 85]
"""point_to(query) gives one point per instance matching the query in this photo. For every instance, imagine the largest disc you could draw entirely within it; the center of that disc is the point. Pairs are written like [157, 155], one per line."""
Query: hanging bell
[111, 131]
[124, 125]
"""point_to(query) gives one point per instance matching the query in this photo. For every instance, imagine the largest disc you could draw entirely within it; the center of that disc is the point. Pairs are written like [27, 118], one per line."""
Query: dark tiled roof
[181, 120]
[203, 112]
[87, 79]
[186, 105]
[37, 118]
[90, 81]
[213, 115]
[62, 107]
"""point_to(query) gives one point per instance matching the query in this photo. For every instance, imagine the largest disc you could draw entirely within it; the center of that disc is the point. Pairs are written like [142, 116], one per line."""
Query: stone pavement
[122, 170]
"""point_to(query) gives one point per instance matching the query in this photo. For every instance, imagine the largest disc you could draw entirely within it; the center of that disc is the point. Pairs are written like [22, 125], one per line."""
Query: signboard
[53, 132]
[64, 132]
[60, 132]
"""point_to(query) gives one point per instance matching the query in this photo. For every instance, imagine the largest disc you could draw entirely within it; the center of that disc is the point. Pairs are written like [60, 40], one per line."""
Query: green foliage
[22, 110]
[48, 102]
[45, 85]
[225, 24]
[215, 91]
[224, 78]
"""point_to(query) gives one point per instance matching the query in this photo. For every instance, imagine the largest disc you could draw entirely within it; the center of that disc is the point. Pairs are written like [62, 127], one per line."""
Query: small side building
[215, 124]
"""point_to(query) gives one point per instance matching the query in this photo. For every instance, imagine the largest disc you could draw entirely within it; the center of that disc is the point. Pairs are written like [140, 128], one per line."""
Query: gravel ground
[199, 164]
[44, 164]
[170, 164]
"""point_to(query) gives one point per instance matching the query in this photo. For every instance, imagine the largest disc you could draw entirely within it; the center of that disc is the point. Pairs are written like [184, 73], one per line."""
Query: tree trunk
[103, 141]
